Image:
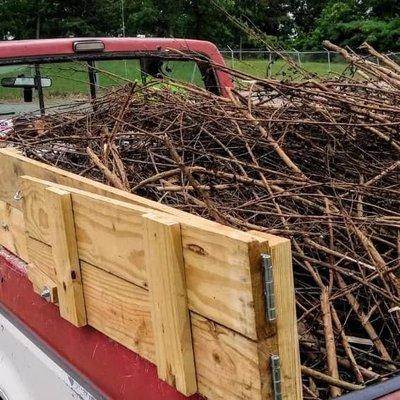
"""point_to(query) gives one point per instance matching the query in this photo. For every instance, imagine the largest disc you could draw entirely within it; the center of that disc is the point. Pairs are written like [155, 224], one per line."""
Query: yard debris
[315, 161]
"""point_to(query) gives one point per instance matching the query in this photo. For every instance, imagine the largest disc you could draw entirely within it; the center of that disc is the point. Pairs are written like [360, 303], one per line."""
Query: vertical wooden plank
[65, 256]
[286, 322]
[170, 315]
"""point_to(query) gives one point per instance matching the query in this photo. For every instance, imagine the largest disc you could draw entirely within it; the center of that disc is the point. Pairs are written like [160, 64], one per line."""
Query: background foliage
[301, 24]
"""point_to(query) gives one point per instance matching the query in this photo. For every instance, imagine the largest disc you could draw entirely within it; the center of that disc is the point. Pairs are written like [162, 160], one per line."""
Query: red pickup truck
[42, 355]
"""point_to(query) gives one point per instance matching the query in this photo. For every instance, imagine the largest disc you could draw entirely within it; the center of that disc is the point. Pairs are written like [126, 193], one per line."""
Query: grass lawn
[280, 69]
[72, 78]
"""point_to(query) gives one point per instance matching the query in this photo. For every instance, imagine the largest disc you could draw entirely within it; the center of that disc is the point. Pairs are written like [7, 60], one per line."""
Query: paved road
[20, 108]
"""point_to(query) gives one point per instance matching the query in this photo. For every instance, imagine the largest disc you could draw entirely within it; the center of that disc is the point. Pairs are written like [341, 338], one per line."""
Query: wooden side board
[222, 268]
[229, 366]
[231, 341]
[14, 164]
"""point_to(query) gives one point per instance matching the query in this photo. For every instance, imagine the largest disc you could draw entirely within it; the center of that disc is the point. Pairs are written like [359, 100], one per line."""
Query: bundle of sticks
[316, 161]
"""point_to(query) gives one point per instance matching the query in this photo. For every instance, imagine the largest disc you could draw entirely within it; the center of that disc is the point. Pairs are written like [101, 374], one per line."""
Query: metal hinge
[276, 376]
[269, 290]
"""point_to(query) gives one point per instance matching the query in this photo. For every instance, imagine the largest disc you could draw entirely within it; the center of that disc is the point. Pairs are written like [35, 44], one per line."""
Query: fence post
[329, 61]
[232, 58]
[269, 64]
[298, 57]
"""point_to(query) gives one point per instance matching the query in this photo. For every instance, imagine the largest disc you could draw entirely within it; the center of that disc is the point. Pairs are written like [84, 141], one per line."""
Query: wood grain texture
[65, 256]
[169, 307]
[286, 321]
[12, 230]
[119, 309]
[221, 265]
[110, 235]
[228, 365]
[40, 254]
[109, 232]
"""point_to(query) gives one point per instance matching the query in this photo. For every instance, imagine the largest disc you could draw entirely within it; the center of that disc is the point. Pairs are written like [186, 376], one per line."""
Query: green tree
[43, 18]
[351, 22]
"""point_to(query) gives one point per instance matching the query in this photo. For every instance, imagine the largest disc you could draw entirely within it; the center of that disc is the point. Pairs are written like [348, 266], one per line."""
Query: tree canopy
[302, 24]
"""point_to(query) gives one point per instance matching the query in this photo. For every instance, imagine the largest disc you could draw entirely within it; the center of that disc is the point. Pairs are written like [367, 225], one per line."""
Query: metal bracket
[269, 290]
[276, 376]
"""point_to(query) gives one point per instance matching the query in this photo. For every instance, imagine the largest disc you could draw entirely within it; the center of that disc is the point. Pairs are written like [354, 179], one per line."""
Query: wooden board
[228, 365]
[222, 267]
[169, 307]
[65, 256]
[119, 309]
[286, 321]
[40, 254]
[12, 230]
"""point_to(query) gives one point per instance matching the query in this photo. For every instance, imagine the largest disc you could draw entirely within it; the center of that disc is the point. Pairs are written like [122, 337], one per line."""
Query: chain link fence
[269, 64]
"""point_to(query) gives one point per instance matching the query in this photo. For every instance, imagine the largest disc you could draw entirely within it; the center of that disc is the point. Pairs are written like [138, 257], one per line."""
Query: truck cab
[42, 76]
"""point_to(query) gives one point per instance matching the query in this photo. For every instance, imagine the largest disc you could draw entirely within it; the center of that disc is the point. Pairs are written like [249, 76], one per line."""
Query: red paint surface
[59, 47]
[116, 371]
[392, 396]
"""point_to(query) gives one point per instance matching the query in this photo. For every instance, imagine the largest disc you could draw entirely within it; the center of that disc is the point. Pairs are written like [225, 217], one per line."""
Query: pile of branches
[314, 161]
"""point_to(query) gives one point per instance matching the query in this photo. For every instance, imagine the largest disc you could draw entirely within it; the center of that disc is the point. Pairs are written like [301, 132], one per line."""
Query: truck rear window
[74, 82]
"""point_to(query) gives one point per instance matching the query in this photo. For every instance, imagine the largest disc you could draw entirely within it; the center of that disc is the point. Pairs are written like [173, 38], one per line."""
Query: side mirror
[25, 82]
